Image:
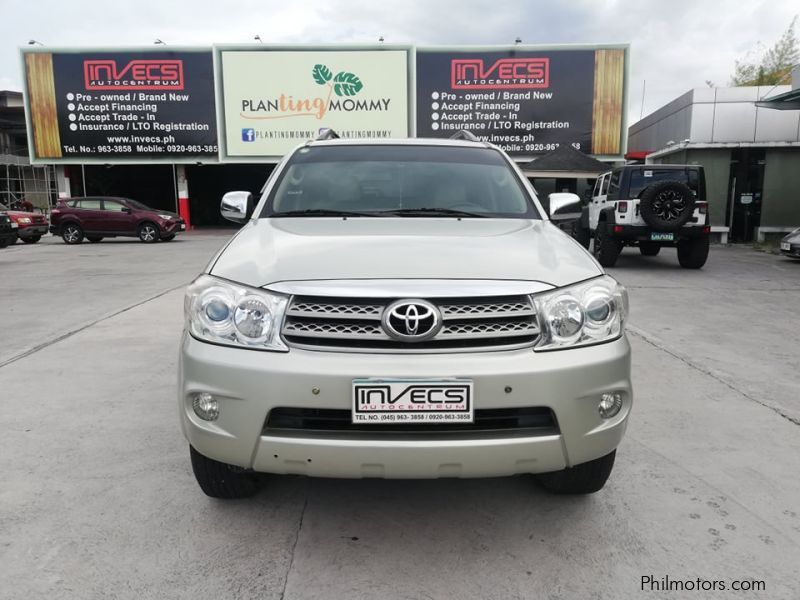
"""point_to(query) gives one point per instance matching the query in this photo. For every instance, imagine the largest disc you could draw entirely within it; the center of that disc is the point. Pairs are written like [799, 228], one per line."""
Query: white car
[402, 309]
[650, 207]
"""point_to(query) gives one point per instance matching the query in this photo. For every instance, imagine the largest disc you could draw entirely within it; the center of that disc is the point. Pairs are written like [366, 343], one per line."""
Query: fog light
[610, 404]
[205, 406]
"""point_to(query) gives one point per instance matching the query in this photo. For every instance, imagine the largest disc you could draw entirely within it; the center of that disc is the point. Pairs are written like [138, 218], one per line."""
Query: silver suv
[402, 309]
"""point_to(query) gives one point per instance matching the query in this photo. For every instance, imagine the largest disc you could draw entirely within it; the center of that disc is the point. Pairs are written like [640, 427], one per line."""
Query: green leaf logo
[322, 74]
[346, 84]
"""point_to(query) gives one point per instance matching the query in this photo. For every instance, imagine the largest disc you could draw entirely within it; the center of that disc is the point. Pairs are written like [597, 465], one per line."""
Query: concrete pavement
[97, 499]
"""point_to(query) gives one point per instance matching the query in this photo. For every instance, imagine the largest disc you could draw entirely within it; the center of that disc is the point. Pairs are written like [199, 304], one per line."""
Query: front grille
[492, 322]
[533, 420]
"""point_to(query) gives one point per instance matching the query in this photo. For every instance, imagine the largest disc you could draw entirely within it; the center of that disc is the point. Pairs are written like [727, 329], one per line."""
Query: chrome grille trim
[354, 324]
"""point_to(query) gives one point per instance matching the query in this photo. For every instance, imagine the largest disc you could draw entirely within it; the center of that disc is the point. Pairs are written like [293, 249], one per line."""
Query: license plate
[786, 246]
[14, 225]
[662, 237]
[377, 401]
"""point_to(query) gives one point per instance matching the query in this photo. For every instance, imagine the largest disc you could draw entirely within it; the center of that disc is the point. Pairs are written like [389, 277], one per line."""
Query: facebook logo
[249, 135]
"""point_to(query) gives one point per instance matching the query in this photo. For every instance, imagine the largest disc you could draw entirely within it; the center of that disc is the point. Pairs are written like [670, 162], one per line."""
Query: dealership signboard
[254, 103]
[273, 99]
[526, 100]
[125, 105]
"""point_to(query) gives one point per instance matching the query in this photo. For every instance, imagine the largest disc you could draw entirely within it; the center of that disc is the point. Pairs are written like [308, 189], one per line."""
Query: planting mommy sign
[274, 99]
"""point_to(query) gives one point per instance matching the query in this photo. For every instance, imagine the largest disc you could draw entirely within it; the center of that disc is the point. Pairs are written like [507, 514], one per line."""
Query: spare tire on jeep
[667, 205]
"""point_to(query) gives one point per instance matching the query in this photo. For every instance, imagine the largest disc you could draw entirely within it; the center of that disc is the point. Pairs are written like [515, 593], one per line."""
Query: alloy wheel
[148, 233]
[71, 234]
[669, 204]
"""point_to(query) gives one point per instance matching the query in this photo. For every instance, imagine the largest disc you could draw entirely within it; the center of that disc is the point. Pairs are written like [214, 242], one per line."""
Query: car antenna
[463, 134]
[326, 133]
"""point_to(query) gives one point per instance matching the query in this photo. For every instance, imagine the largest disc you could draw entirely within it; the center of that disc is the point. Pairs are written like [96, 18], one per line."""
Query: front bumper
[793, 250]
[249, 383]
[173, 226]
[28, 231]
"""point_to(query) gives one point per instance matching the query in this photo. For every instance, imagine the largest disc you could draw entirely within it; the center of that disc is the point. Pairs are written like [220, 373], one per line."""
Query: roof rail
[463, 134]
[326, 133]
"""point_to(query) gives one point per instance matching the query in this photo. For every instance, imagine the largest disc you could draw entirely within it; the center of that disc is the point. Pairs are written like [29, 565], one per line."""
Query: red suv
[99, 217]
[31, 226]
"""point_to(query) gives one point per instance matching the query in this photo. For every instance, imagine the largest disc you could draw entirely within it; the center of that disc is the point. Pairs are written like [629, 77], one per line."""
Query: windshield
[642, 178]
[399, 181]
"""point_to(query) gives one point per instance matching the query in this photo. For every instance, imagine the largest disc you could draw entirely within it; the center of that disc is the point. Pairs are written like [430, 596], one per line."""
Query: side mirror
[564, 205]
[237, 206]
[125, 209]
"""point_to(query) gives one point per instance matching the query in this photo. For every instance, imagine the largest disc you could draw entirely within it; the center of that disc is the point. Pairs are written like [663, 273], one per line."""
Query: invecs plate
[786, 246]
[379, 401]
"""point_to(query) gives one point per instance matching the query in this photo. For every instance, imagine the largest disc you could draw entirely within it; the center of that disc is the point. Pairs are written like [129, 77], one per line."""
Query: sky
[675, 45]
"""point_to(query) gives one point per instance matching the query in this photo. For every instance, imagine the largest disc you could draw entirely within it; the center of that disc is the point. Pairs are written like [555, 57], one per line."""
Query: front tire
[31, 240]
[72, 233]
[649, 248]
[148, 232]
[693, 253]
[606, 248]
[586, 478]
[221, 480]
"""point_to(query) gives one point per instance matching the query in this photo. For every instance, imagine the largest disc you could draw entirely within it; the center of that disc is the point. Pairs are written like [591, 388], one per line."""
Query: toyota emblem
[411, 320]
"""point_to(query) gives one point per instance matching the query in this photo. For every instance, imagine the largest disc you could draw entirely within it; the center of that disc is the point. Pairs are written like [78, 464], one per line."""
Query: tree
[770, 67]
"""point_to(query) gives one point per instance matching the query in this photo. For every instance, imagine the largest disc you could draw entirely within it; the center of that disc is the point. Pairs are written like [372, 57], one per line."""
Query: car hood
[153, 211]
[267, 251]
[793, 237]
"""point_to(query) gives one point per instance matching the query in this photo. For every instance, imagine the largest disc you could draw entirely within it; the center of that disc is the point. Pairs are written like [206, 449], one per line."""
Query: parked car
[99, 217]
[31, 226]
[8, 230]
[790, 244]
[651, 207]
[402, 309]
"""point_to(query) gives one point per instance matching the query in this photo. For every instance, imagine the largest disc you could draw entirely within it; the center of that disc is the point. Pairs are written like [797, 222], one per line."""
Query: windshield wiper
[433, 212]
[324, 212]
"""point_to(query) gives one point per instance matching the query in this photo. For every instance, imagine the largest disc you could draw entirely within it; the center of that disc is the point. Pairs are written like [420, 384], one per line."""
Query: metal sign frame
[218, 82]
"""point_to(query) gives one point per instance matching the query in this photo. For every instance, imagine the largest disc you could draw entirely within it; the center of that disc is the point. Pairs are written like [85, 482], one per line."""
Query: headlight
[167, 217]
[23, 220]
[588, 313]
[222, 312]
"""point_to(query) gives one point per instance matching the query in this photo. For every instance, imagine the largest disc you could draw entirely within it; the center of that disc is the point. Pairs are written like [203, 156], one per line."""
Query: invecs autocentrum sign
[359, 93]
[139, 74]
[505, 73]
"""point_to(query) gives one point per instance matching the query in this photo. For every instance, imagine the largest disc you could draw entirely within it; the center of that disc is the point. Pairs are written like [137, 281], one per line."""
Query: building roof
[564, 161]
[787, 101]
[10, 98]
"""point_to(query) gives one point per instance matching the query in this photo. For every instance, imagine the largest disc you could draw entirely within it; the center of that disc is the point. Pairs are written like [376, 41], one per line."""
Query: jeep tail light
[706, 229]
[622, 206]
[617, 228]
